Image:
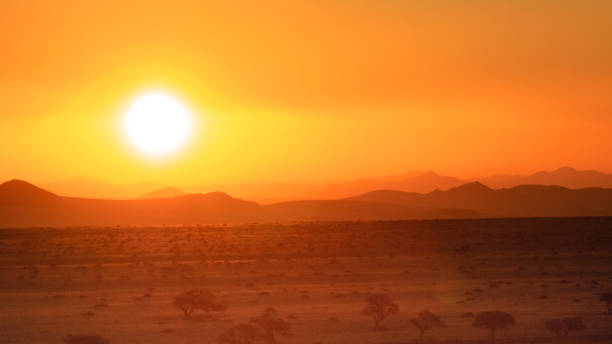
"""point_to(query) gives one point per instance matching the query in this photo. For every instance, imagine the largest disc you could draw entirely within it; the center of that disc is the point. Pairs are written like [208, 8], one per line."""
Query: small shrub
[425, 321]
[493, 321]
[467, 315]
[85, 339]
[271, 325]
[194, 299]
[562, 327]
[379, 307]
[607, 298]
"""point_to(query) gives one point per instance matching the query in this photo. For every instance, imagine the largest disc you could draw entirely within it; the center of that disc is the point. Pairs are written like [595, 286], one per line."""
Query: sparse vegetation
[493, 321]
[195, 299]
[271, 325]
[607, 298]
[257, 266]
[378, 307]
[562, 327]
[426, 321]
[85, 339]
[467, 315]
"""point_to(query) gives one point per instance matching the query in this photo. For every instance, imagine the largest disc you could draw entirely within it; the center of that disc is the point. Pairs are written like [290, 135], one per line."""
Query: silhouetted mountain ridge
[23, 204]
[416, 181]
[564, 176]
[519, 201]
[17, 191]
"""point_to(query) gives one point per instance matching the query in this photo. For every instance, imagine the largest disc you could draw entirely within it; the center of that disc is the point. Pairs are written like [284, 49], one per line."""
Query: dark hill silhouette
[565, 176]
[23, 207]
[418, 182]
[18, 192]
[166, 192]
[23, 204]
[519, 201]
[472, 196]
[464, 194]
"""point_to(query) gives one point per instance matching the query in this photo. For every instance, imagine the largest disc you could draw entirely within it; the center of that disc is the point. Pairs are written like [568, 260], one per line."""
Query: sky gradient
[307, 90]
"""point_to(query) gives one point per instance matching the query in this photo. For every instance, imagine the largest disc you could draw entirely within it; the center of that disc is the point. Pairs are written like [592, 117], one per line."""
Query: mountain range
[518, 201]
[565, 176]
[23, 204]
[265, 193]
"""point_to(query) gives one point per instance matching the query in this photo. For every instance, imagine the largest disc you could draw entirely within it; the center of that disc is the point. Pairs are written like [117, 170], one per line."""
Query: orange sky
[307, 90]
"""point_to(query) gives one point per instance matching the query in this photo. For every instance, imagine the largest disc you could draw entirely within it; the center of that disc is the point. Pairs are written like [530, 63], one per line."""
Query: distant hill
[416, 182]
[388, 196]
[267, 193]
[167, 192]
[20, 193]
[565, 176]
[420, 182]
[92, 188]
[466, 194]
[519, 201]
[23, 204]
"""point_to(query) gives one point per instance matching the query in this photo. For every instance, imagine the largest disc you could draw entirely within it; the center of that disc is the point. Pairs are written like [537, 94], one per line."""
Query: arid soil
[120, 283]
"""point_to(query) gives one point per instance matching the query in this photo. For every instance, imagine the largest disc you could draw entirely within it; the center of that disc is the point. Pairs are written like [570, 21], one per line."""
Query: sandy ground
[120, 282]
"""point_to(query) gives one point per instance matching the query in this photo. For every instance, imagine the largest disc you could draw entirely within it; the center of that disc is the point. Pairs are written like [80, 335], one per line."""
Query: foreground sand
[120, 282]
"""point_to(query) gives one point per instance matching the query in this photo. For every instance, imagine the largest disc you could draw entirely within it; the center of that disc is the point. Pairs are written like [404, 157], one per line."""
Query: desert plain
[120, 282]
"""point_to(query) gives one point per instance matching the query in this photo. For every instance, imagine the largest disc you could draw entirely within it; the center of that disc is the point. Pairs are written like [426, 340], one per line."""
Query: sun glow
[157, 124]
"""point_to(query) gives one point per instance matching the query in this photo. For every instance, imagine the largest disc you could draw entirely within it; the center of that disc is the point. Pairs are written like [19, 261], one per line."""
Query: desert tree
[607, 298]
[425, 321]
[493, 321]
[85, 339]
[379, 306]
[562, 327]
[241, 334]
[271, 325]
[194, 299]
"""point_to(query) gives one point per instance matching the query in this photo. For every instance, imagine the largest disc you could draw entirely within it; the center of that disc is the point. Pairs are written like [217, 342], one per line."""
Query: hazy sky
[307, 90]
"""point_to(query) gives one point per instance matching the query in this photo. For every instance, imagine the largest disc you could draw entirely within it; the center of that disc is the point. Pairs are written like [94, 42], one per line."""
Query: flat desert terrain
[120, 283]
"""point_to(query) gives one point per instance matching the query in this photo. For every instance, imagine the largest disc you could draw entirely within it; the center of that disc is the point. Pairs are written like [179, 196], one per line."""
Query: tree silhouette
[241, 334]
[607, 298]
[379, 306]
[85, 339]
[194, 299]
[493, 321]
[425, 321]
[562, 327]
[271, 324]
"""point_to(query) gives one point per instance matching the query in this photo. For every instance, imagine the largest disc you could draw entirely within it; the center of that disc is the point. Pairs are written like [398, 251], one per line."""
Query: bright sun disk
[157, 124]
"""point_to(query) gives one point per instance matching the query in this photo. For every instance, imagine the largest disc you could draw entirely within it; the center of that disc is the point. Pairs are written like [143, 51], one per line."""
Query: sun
[157, 124]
